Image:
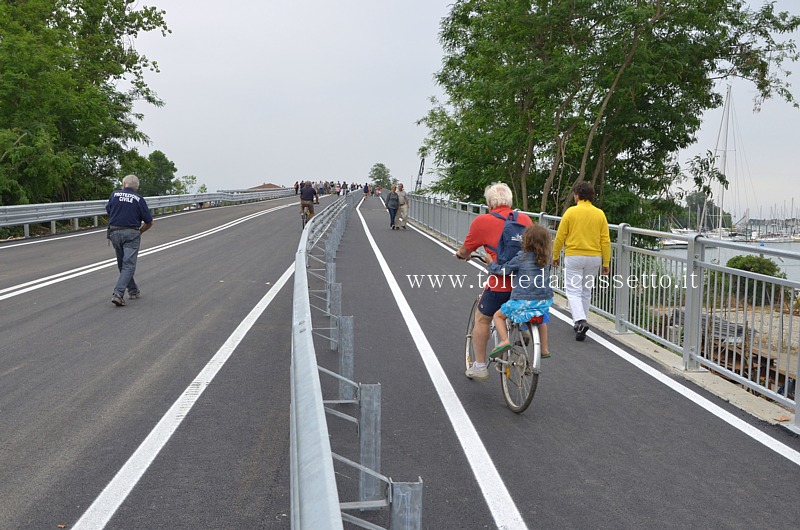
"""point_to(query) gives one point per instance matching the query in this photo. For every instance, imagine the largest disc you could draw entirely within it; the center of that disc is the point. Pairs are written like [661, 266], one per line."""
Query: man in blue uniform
[128, 218]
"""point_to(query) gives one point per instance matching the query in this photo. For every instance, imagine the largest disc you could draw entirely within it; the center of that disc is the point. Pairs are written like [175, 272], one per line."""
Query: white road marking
[760, 436]
[115, 493]
[741, 425]
[505, 512]
[22, 288]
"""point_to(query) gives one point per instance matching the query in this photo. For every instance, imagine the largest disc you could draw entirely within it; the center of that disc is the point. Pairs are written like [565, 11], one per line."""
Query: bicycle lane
[601, 445]
[418, 436]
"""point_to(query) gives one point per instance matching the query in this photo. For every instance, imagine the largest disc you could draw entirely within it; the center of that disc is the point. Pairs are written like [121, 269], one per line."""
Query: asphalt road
[83, 383]
[603, 445]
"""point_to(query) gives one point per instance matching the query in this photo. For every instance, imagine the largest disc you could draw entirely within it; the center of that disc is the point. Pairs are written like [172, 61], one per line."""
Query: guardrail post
[695, 253]
[330, 250]
[345, 333]
[330, 277]
[406, 505]
[52, 228]
[622, 268]
[335, 311]
[369, 434]
[75, 224]
[94, 221]
[26, 231]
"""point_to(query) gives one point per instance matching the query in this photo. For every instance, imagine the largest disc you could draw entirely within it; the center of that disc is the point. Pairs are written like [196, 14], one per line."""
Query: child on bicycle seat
[531, 294]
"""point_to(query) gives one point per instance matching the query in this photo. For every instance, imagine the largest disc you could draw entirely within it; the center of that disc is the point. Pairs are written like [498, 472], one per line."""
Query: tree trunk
[604, 104]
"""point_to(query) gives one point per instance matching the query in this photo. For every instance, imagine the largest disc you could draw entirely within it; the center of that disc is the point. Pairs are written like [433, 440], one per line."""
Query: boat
[667, 243]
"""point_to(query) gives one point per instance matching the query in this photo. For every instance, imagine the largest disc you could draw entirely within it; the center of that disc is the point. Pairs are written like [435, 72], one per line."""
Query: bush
[759, 265]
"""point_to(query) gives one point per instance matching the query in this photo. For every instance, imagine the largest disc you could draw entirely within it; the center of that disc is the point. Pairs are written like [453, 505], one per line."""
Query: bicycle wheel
[304, 217]
[520, 367]
[469, 352]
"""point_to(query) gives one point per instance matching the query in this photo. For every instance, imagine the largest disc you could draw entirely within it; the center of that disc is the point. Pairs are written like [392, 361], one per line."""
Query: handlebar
[474, 256]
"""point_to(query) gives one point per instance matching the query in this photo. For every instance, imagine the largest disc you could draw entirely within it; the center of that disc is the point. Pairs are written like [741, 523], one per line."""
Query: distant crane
[418, 186]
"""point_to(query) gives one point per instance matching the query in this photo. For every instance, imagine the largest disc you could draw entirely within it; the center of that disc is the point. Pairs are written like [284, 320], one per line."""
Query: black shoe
[581, 327]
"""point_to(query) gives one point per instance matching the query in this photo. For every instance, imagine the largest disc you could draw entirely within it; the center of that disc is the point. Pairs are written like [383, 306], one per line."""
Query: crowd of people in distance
[328, 187]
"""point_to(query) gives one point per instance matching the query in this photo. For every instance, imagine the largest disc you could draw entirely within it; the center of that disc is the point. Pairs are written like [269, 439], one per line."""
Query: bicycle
[305, 215]
[519, 366]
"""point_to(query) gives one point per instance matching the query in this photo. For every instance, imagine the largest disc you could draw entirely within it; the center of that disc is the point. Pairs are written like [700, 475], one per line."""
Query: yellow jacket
[584, 229]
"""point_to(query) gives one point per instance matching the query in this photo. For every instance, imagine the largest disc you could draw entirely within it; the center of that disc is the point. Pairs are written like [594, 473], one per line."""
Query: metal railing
[316, 501]
[314, 496]
[28, 214]
[742, 325]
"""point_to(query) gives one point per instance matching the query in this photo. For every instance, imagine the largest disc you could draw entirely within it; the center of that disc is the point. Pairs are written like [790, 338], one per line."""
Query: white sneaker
[479, 373]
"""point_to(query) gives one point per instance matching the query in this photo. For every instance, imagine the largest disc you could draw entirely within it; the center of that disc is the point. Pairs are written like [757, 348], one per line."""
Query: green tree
[160, 176]
[756, 291]
[202, 189]
[131, 162]
[611, 96]
[183, 185]
[380, 175]
[70, 78]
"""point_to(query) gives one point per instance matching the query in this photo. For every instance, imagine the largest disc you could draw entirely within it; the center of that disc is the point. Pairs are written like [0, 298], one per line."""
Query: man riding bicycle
[308, 196]
[485, 231]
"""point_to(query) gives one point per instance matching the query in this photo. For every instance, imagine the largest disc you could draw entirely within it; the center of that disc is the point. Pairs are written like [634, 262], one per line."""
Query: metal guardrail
[739, 324]
[28, 214]
[314, 496]
[316, 503]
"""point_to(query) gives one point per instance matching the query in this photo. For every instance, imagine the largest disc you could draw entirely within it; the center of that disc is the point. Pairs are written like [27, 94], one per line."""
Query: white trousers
[580, 274]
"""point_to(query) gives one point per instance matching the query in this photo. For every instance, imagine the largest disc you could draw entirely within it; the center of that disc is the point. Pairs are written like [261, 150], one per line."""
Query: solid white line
[110, 499]
[757, 435]
[505, 512]
[61, 237]
[16, 290]
[760, 436]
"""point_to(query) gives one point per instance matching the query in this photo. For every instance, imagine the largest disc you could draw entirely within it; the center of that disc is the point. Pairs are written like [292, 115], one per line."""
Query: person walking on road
[392, 203]
[402, 210]
[128, 218]
[485, 231]
[583, 233]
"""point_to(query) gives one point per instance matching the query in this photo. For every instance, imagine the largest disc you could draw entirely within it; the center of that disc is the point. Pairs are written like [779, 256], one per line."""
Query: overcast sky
[278, 91]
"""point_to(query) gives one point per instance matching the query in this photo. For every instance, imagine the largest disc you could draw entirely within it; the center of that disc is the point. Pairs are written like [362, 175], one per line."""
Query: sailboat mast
[725, 125]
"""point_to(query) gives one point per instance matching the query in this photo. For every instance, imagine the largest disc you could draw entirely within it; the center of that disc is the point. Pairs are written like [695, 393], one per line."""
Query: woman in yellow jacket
[583, 233]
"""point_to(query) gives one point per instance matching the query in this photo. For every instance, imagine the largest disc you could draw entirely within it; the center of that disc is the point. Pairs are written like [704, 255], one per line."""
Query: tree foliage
[542, 94]
[757, 291]
[156, 174]
[380, 175]
[69, 77]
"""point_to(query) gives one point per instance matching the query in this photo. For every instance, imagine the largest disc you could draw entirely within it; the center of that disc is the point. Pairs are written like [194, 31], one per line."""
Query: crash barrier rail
[315, 502]
[28, 214]
[742, 325]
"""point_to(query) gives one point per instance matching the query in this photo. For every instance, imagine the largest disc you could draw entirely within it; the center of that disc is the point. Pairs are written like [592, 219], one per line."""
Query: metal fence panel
[740, 324]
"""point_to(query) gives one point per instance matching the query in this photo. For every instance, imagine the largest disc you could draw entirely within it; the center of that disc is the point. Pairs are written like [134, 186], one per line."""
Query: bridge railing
[28, 214]
[314, 495]
[317, 503]
[742, 325]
